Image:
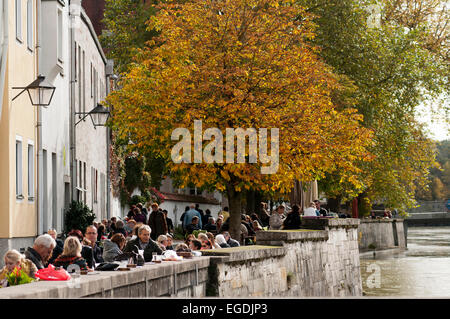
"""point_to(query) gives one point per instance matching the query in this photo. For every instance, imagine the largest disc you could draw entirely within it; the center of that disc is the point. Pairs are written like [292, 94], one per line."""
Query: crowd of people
[145, 234]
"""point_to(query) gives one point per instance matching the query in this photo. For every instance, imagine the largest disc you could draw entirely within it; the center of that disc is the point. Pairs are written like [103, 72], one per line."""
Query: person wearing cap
[277, 218]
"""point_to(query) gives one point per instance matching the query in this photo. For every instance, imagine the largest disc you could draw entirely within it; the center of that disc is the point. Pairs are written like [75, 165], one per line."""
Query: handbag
[107, 266]
[52, 273]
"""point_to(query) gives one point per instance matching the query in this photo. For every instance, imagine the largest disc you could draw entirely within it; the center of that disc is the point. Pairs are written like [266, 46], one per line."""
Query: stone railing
[186, 278]
[322, 262]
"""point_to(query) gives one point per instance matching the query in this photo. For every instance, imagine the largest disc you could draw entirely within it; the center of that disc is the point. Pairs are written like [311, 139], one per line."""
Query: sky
[438, 129]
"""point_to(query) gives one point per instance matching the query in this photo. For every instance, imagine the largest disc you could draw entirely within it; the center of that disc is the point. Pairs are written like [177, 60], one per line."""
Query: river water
[422, 270]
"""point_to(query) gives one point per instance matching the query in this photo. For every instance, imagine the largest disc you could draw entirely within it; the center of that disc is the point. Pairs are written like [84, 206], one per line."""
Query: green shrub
[78, 216]
[178, 233]
[135, 199]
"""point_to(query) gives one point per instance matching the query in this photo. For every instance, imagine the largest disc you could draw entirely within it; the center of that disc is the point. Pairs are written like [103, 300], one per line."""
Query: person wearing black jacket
[205, 218]
[170, 228]
[91, 235]
[143, 241]
[293, 220]
[193, 225]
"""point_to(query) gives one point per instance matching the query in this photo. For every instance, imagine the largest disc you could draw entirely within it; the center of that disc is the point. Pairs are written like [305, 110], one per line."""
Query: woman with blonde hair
[162, 242]
[71, 254]
[14, 259]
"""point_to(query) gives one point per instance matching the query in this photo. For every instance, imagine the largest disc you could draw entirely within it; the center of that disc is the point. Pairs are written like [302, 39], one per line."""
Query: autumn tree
[388, 71]
[238, 64]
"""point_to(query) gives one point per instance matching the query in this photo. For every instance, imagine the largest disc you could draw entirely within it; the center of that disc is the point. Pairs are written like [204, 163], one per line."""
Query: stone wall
[185, 279]
[304, 263]
[320, 262]
[381, 234]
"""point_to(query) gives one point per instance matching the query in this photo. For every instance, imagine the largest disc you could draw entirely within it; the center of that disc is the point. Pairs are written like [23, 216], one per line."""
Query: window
[60, 36]
[30, 33]
[95, 87]
[84, 180]
[19, 182]
[19, 20]
[30, 172]
[92, 81]
[96, 186]
[83, 81]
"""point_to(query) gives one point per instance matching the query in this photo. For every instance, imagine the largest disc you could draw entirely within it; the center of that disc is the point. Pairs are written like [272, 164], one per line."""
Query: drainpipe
[74, 12]
[40, 170]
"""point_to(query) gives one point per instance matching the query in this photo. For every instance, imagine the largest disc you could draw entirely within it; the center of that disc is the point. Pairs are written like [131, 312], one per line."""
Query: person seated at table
[206, 244]
[162, 242]
[193, 225]
[131, 223]
[143, 241]
[311, 210]
[101, 233]
[202, 236]
[230, 241]
[12, 260]
[256, 226]
[71, 254]
[212, 240]
[293, 220]
[195, 245]
[113, 247]
[189, 238]
[41, 251]
[91, 235]
[86, 249]
[169, 242]
[220, 239]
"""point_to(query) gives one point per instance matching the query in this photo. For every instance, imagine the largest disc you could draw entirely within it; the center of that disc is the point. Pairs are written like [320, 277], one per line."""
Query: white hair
[144, 227]
[45, 240]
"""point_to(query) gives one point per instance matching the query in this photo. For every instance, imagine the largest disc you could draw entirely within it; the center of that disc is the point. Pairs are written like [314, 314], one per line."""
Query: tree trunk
[234, 202]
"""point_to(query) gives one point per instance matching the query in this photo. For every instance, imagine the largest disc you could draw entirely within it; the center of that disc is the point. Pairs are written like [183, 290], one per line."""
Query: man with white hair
[144, 242]
[42, 250]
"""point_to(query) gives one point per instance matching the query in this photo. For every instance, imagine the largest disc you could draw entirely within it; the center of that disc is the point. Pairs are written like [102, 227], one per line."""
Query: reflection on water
[423, 270]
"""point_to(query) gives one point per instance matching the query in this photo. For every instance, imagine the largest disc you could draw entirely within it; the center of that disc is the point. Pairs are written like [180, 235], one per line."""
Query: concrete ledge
[245, 253]
[290, 235]
[384, 220]
[324, 223]
[97, 283]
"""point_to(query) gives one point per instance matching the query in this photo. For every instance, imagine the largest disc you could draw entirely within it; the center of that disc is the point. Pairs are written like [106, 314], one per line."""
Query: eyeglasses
[91, 233]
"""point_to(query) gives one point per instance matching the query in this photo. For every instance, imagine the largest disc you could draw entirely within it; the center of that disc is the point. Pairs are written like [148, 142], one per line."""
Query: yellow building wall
[21, 116]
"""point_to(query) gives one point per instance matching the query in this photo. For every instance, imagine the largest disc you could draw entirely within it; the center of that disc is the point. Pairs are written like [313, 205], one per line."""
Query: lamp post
[40, 93]
[99, 115]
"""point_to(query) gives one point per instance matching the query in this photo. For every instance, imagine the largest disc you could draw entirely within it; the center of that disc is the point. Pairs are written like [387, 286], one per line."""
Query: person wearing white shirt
[311, 210]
